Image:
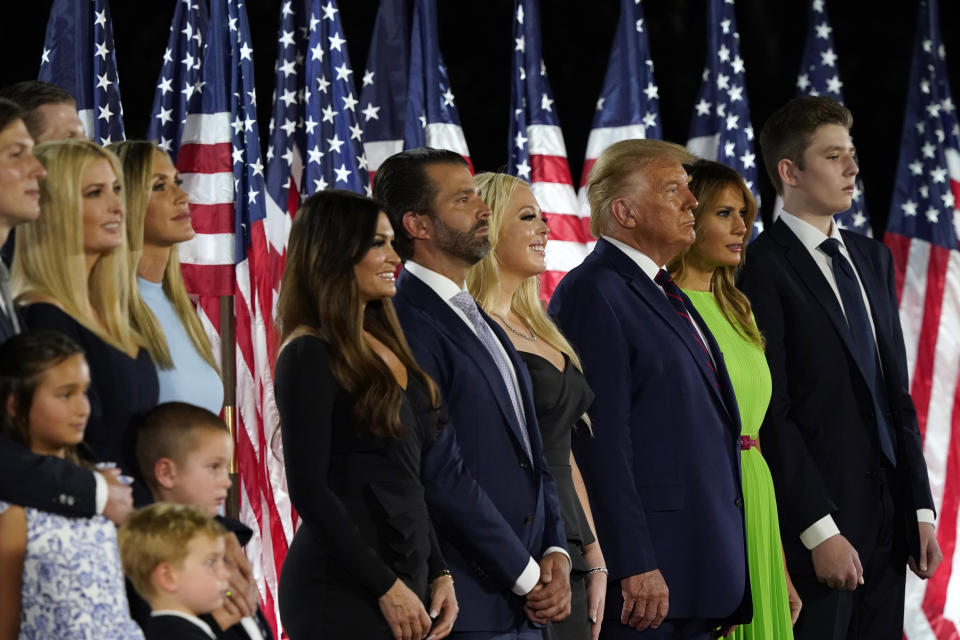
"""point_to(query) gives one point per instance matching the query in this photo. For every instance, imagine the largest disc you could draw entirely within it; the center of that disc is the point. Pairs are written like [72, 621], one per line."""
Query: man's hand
[119, 497]
[550, 599]
[930, 555]
[646, 600]
[837, 563]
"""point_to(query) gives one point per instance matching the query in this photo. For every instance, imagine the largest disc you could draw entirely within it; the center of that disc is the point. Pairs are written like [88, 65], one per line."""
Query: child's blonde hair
[161, 533]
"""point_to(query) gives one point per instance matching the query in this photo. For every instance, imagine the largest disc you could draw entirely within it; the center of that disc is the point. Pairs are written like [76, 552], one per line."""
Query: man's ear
[11, 405]
[416, 225]
[623, 214]
[788, 171]
[165, 471]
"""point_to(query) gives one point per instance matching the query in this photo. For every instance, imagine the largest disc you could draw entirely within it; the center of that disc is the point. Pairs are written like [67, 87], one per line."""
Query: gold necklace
[530, 337]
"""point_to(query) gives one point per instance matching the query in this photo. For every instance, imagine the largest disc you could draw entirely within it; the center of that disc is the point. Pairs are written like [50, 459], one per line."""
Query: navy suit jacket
[662, 467]
[513, 512]
[819, 435]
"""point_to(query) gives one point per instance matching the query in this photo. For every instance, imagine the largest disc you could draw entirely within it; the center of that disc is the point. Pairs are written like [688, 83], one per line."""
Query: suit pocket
[667, 497]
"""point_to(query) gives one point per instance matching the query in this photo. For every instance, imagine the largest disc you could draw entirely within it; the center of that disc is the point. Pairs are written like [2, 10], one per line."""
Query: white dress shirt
[811, 238]
[650, 268]
[186, 616]
[447, 289]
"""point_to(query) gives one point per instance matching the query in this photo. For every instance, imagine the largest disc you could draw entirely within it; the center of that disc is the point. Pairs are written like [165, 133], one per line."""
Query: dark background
[873, 41]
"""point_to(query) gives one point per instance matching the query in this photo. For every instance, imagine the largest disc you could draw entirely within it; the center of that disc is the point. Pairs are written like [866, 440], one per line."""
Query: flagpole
[228, 364]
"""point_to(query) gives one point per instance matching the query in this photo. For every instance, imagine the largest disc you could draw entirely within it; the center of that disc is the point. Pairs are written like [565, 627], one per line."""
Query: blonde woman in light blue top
[158, 218]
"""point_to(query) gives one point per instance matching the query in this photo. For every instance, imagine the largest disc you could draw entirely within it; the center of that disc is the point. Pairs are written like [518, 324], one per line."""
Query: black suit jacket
[173, 628]
[820, 435]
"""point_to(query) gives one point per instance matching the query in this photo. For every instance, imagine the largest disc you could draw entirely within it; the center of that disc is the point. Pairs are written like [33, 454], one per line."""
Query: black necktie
[676, 300]
[861, 334]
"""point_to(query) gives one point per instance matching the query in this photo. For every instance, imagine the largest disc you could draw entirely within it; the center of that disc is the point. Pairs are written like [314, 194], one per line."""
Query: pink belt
[746, 442]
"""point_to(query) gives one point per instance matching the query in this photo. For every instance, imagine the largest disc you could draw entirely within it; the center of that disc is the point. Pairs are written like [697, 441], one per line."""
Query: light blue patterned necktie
[7, 298]
[465, 302]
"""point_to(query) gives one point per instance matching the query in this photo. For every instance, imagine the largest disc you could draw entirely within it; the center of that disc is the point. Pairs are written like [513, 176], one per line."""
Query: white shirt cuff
[250, 626]
[926, 515]
[819, 531]
[528, 579]
[558, 550]
[100, 502]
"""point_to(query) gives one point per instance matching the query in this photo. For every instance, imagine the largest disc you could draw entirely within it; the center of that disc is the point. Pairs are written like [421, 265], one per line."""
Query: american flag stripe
[922, 235]
[383, 96]
[538, 153]
[628, 106]
[431, 117]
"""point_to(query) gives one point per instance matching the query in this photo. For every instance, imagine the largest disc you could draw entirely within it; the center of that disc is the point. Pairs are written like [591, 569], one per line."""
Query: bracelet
[442, 573]
[596, 570]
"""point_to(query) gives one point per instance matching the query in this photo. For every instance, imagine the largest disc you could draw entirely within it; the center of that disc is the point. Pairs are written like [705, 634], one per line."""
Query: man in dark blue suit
[507, 556]
[42, 482]
[662, 465]
[841, 434]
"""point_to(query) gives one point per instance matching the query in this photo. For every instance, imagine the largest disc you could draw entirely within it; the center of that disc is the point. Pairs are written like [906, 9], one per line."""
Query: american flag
[538, 153]
[78, 56]
[179, 75]
[819, 77]
[629, 104]
[721, 128]
[383, 94]
[220, 163]
[431, 115]
[922, 234]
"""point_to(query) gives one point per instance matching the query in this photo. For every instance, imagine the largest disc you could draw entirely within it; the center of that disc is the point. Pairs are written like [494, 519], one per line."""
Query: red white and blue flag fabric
[383, 92]
[819, 77]
[922, 234]
[538, 153]
[629, 104]
[78, 56]
[180, 80]
[721, 128]
[431, 117]
[219, 160]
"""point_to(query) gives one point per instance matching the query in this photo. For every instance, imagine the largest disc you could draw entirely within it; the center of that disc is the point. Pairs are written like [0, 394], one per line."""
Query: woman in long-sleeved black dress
[355, 413]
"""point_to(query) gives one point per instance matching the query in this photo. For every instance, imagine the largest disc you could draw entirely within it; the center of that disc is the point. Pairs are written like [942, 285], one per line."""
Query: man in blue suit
[662, 466]
[507, 554]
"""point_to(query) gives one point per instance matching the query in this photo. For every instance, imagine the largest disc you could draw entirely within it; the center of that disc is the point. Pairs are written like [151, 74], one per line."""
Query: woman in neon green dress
[706, 272]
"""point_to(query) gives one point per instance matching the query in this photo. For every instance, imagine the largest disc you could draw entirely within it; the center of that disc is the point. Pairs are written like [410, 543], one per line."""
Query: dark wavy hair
[24, 359]
[331, 233]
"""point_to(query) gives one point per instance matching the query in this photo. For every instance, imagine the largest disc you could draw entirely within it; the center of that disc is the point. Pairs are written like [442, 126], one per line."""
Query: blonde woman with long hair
[158, 219]
[723, 219]
[506, 284]
[70, 271]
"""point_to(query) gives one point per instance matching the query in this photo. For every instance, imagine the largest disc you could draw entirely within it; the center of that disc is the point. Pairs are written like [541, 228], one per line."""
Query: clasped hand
[550, 599]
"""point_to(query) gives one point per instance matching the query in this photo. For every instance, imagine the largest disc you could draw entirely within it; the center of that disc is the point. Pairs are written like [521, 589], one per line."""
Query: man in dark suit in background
[662, 466]
[42, 482]
[841, 434]
[513, 546]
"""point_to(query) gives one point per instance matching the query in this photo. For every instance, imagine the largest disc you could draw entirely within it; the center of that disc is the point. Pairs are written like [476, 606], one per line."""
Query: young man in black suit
[841, 434]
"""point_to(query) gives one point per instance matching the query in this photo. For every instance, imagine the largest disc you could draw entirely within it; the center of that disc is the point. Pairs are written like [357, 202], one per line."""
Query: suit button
[739, 503]
[528, 520]
[524, 464]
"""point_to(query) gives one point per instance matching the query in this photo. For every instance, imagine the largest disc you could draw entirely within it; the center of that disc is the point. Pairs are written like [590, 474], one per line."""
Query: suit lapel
[651, 293]
[812, 278]
[450, 324]
[875, 294]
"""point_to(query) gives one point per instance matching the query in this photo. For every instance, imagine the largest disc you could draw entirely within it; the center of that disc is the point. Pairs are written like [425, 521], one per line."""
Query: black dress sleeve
[46, 483]
[305, 392]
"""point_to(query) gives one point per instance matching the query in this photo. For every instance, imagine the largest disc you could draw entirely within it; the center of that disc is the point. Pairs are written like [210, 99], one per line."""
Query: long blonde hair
[137, 158]
[49, 256]
[483, 279]
[707, 182]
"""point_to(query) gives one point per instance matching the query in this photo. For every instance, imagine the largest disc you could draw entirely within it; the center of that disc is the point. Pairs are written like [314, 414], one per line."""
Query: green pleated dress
[750, 375]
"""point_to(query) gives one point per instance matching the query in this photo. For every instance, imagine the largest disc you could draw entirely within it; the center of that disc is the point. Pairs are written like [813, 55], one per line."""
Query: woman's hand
[794, 599]
[443, 603]
[596, 599]
[404, 613]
